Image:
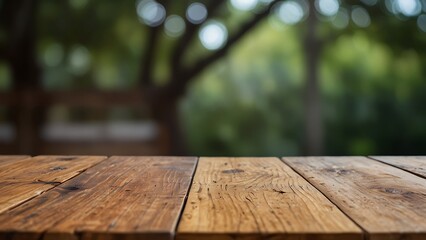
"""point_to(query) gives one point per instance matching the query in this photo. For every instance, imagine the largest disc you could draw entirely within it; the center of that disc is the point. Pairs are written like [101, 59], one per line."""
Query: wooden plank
[120, 198]
[258, 198]
[26, 178]
[413, 164]
[387, 202]
[4, 159]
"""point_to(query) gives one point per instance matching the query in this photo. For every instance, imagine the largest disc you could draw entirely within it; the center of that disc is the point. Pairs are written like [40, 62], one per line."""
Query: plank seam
[365, 234]
[42, 234]
[54, 186]
[185, 200]
[77, 235]
[389, 164]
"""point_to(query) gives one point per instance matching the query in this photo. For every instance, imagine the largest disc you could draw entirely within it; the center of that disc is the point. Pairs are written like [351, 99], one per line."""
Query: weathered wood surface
[413, 164]
[387, 202]
[10, 159]
[26, 178]
[258, 198]
[120, 198]
[230, 198]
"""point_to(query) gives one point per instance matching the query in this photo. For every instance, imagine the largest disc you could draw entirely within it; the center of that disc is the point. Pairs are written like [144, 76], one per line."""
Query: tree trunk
[21, 56]
[312, 99]
[164, 105]
[173, 124]
[164, 102]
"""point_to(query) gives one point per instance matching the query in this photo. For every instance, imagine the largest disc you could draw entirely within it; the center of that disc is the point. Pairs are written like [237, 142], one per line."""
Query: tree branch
[179, 84]
[145, 75]
[190, 32]
[148, 59]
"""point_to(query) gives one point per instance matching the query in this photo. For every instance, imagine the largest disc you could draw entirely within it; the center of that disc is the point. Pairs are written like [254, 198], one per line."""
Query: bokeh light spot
[244, 5]
[196, 13]
[174, 26]
[342, 19]
[409, 7]
[290, 12]
[327, 7]
[79, 60]
[213, 35]
[391, 6]
[151, 12]
[360, 17]
[421, 22]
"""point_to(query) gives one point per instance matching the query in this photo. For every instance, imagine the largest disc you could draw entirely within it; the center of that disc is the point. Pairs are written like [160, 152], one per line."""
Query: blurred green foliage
[250, 102]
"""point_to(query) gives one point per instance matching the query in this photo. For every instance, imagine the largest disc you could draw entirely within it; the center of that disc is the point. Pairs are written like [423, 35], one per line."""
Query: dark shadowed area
[213, 77]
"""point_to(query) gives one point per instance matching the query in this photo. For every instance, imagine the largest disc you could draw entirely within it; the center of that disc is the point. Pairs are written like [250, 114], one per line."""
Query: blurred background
[216, 77]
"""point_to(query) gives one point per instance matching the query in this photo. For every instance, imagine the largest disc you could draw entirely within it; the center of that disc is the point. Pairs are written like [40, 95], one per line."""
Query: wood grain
[413, 164]
[12, 157]
[387, 202]
[258, 198]
[24, 178]
[5, 160]
[120, 198]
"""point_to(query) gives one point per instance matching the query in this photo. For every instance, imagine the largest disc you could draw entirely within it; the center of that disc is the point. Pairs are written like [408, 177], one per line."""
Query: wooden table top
[292, 198]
